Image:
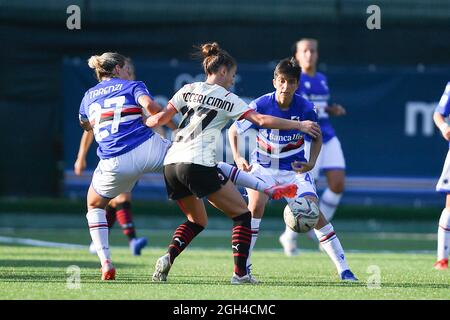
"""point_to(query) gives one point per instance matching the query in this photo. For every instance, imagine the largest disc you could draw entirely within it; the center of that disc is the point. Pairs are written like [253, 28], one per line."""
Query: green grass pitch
[204, 270]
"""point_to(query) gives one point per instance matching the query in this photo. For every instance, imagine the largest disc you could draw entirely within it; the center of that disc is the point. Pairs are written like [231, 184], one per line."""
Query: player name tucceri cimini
[105, 90]
[210, 101]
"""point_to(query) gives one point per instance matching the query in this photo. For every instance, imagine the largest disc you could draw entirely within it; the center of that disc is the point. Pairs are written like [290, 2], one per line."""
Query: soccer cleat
[248, 278]
[441, 264]
[289, 246]
[347, 275]
[279, 191]
[136, 245]
[92, 249]
[162, 268]
[108, 271]
[249, 272]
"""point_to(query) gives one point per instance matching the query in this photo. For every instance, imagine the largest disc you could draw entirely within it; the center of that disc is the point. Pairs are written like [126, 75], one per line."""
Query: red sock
[240, 242]
[125, 219]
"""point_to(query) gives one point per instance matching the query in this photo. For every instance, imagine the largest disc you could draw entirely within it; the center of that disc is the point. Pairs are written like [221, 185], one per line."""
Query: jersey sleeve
[83, 113]
[141, 90]
[444, 104]
[244, 125]
[239, 107]
[177, 100]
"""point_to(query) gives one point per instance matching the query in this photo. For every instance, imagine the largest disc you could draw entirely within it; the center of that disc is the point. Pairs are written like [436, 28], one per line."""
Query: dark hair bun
[210, 49]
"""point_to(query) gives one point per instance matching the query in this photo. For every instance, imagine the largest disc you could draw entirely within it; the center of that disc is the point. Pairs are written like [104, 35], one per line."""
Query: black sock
[240, 242]
[182, 237]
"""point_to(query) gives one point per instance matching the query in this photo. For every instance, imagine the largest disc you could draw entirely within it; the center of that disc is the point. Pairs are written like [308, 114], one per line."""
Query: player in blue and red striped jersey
[127, 148]
[313, 86]
[443, 246]
[118, 208]
[280, 157]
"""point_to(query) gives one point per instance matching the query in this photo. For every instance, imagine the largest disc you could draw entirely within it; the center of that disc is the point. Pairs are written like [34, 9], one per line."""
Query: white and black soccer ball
[301, 215]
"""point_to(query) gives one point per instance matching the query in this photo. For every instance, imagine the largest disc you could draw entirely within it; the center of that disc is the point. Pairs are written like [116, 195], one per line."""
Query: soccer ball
[301, 215]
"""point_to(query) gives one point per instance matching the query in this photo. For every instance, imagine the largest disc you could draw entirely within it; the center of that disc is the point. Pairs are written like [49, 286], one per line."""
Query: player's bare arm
[86, 140]
[336, 110]
[442, 125]
[161, 118]
[240, 161]
[86, 125]
[152, 107]
[270, 122]
[302, 167]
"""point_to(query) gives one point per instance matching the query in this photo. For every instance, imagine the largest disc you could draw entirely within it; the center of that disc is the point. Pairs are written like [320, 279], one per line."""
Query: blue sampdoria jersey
[279, 148]
[113, 110]
[444, 104]
[315, 89]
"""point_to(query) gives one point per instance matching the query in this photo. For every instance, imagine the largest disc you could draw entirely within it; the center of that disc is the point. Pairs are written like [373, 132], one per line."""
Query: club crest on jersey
[307, 85]
[296, 118]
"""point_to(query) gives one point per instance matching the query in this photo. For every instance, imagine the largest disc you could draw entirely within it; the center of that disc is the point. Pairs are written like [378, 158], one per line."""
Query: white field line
[48, 244]
[40, 243]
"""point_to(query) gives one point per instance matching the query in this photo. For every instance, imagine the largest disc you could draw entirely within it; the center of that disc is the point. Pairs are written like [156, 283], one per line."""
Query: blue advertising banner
[393, 152]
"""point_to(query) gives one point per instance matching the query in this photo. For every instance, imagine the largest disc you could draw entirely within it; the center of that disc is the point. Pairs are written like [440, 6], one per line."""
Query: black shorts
[186, 179]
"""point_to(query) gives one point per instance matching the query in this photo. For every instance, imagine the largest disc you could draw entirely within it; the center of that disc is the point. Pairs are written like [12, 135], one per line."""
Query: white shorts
[116, 175]
[443, 184]
[331, 157]
[304, 181]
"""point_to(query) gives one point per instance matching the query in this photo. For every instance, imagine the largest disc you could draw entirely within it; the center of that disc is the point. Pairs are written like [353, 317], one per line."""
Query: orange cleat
[441, 264]
[108, 271]
[279, 191]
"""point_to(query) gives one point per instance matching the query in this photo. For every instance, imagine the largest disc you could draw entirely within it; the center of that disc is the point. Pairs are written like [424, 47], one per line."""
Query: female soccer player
[190, 170]
[118, 208]
[313, 87]
[443, 246]
[279, 157]
[113, 109]
[127, 148]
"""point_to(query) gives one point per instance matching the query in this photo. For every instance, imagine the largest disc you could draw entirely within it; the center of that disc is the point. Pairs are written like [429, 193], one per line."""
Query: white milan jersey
[206, 109]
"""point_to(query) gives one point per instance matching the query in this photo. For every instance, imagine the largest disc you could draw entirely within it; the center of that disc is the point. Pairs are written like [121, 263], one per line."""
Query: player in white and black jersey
[190, 170]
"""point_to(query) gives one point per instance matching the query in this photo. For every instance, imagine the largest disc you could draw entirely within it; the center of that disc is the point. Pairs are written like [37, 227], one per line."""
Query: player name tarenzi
[210, 101]
[105, 90]
[189, 310]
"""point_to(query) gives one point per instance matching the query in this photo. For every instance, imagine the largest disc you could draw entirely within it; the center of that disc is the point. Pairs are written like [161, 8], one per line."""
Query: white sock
[443, 235]
[98, 228]
[329, 202]
[255, 233]
[288, 233]
[332, 246]
[242, 178]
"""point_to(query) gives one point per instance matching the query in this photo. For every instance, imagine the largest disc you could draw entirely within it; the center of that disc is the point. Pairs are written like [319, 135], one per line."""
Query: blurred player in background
[118, 208]
[190, 168]
[313, 87]
[441, 113]
[279, 157]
